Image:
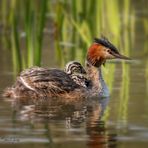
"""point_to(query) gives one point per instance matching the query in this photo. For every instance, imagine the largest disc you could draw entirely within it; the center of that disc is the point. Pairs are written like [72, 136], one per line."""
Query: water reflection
[98, 135]
[74, 115]
[56, 109]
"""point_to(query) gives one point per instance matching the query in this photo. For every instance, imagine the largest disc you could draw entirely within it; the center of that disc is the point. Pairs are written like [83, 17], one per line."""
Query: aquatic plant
[29, 21]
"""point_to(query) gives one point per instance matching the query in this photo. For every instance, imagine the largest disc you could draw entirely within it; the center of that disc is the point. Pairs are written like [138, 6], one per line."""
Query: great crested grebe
[40, 82]
[78, 74]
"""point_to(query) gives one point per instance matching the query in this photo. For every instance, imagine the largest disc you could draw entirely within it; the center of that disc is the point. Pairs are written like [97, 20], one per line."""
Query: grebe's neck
[95, 75]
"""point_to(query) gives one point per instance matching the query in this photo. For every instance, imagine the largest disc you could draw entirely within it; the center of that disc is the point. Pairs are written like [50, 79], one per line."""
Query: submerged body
[40, 82]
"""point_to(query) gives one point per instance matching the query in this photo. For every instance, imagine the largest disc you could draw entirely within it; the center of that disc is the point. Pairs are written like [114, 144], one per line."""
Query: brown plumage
[40, 82]
[77, 73]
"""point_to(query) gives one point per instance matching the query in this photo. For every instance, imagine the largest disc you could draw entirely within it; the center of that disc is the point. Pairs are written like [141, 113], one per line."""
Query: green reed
[15, 38]
[34, 25]
[27, 17]
[40, 23]
[29, 26]
[145, 23]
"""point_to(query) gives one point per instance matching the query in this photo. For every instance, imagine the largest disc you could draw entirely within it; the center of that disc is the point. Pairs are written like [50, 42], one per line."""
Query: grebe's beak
[119, 56]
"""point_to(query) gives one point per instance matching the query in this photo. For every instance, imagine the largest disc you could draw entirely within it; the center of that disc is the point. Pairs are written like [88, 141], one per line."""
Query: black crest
[105, 42]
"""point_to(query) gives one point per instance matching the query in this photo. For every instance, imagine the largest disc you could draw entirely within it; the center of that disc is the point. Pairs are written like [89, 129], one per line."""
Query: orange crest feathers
[94, 55]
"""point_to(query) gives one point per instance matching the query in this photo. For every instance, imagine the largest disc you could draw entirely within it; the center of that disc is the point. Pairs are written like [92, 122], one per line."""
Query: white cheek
[109, 56]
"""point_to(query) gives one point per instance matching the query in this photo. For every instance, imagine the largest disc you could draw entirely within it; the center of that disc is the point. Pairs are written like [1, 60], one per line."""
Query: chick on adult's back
[40, 82]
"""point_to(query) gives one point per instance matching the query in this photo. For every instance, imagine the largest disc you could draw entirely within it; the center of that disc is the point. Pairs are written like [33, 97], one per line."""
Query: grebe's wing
[50, 80]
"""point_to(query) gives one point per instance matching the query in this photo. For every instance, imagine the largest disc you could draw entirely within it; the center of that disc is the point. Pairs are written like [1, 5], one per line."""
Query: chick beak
[120, 56]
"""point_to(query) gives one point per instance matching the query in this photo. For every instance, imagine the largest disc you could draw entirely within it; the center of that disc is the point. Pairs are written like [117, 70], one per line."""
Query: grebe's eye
[109, 51]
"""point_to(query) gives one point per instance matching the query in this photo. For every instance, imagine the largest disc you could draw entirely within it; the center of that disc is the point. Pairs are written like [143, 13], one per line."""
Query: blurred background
[50, 33]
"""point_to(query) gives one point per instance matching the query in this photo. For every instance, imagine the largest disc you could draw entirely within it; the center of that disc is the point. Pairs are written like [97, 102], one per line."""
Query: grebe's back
[42, 82]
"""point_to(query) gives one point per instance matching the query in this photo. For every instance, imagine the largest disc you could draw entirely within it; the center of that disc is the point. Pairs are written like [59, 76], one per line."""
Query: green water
[27, 123]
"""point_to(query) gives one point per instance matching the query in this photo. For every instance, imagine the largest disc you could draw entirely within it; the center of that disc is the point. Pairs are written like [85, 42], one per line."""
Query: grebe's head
[74, 67]
[101, 50]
